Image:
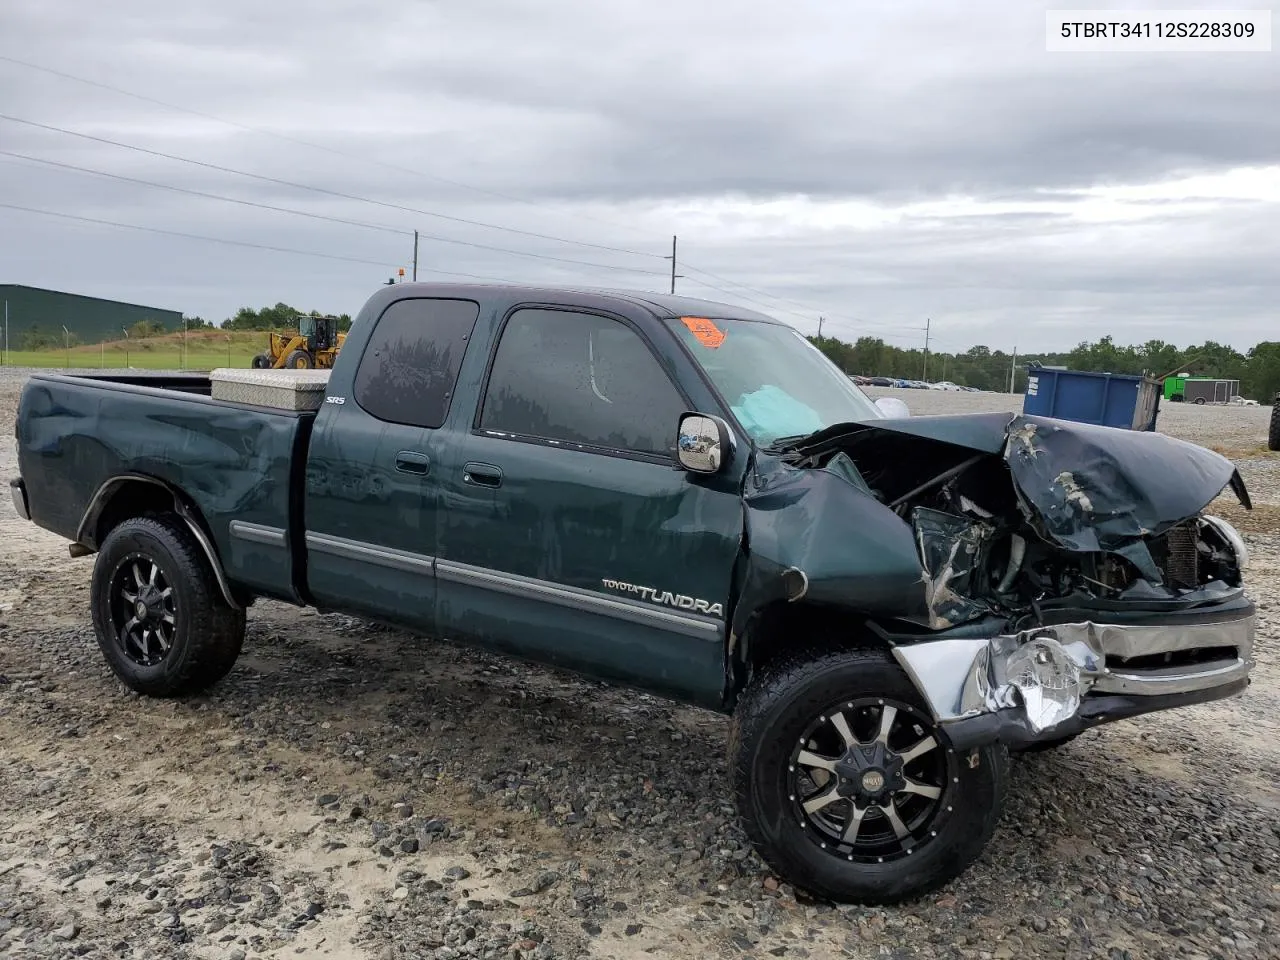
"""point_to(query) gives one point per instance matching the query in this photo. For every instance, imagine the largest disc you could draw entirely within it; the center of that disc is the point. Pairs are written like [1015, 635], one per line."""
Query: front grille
[1182, 560]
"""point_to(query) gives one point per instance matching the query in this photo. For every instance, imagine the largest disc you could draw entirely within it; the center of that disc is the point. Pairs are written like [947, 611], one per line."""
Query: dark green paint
[398, 532]
[227, 461]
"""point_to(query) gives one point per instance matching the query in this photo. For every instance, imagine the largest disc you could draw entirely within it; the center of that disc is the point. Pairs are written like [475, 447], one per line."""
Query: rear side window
[410, 366]
[582, 379]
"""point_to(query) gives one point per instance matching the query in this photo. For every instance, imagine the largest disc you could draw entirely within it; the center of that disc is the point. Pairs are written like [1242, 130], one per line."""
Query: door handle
[410, 461]
[482, 474]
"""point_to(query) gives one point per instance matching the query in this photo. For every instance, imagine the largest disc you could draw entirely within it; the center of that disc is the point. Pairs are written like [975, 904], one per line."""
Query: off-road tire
[298, 360]
[1273, 434]
[261, 361]
[773, 712]
[208, 632]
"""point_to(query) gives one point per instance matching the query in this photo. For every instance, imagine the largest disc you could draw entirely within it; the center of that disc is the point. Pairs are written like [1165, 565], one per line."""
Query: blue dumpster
[1107, 399]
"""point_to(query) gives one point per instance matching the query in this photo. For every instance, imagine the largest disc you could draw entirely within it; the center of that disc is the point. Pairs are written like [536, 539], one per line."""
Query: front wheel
[847, 788]
[299, 360]
[159, 615]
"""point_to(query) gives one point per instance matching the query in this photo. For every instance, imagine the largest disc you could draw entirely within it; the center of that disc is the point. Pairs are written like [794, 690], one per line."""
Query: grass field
[202, 350]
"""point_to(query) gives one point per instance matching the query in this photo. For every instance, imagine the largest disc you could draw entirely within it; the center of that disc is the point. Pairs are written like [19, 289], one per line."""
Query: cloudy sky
[875, 163]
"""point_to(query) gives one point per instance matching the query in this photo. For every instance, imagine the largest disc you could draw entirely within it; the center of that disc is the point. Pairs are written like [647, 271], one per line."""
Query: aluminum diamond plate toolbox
[282, 389]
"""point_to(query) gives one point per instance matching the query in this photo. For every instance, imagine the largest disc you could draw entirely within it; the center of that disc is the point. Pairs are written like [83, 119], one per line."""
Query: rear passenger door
[373, 467]
[568, 533]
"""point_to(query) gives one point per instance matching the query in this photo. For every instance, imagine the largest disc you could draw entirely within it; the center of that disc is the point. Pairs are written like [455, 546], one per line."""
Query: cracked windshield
[776, 382]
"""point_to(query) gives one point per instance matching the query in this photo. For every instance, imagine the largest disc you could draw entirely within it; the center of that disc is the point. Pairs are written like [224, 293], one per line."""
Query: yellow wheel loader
[315, 344]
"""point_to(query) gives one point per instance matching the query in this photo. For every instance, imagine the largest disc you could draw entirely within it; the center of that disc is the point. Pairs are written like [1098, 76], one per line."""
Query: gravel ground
[352, 791]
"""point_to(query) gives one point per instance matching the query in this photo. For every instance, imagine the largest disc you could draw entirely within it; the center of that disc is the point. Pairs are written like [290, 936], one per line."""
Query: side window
[410, 366]
[583, 379]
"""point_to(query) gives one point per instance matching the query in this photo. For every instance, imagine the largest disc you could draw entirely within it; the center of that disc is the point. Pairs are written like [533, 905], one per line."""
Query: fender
[86, 539]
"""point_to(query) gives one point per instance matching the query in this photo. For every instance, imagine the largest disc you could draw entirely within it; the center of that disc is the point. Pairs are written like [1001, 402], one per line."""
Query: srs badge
[667, 598]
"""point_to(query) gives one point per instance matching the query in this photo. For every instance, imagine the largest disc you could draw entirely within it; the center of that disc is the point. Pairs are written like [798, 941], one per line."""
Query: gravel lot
[352, 791]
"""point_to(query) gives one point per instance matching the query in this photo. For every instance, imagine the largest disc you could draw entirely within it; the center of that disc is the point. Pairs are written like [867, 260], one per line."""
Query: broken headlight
[1232, 537]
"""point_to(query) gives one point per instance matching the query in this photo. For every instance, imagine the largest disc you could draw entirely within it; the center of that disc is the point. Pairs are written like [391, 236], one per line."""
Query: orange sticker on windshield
[706, 332]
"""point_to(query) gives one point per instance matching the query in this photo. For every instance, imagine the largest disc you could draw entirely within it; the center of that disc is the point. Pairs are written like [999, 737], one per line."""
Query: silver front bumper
[1045, 673]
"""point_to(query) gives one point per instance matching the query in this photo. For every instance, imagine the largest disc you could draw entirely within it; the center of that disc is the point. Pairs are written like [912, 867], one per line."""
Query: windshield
[307, 326]
[777, 383]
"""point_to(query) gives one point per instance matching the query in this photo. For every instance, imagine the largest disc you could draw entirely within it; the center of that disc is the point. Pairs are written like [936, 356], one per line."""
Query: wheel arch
[131, 495]
[780, 626]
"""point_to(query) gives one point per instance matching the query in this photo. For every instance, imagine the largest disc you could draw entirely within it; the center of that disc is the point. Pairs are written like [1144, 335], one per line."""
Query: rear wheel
[298, 360]
[261, 361]
[847, 788]
[160, 617]
[1200, 401]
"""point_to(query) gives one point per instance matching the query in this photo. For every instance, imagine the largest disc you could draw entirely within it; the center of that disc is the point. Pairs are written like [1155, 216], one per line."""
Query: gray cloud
[623, 123]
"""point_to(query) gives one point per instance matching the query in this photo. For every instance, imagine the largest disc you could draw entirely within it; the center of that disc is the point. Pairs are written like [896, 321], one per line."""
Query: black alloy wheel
[144, 611]
[159, 613]
[846, 785]
[869, 780]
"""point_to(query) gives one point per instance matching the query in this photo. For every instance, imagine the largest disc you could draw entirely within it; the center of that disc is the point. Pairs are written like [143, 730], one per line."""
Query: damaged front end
[1067, 573]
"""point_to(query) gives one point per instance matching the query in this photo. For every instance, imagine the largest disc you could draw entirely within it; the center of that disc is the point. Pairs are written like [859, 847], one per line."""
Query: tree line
[1257, 369]
[280, 317]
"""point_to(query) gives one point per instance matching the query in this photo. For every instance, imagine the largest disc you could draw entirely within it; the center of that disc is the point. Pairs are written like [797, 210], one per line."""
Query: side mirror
[703, 443]
[893, 408]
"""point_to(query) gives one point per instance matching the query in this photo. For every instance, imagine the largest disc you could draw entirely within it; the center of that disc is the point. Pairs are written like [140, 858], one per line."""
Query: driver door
[567, 531]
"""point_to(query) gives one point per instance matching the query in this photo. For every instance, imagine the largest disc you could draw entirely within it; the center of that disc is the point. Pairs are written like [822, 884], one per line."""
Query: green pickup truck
[686, 498]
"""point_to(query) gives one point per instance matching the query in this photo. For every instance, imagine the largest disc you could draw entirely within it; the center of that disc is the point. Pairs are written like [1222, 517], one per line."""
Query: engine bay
[1056, 518]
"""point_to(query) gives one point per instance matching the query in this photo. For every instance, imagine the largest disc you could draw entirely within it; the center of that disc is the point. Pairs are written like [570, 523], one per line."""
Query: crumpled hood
[1087, 488]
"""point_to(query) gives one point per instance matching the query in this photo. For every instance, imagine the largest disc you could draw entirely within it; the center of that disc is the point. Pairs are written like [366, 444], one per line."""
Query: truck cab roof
[661, 304]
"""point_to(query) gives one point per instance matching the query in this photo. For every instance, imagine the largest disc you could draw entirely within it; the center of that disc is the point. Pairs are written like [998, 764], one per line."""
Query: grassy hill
[202, 350]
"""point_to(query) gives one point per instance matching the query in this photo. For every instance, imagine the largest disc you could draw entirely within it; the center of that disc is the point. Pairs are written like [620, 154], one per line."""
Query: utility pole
[672, 258]
[6, 331]
[820, 328]
[125, 330]
[415, 256]
[66, 339]
[925, 376]
[1013, 367]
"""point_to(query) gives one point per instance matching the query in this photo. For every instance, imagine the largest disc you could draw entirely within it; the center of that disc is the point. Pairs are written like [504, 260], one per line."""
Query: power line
[235, 243]
[775, 309]
[391, 166]
[209, 196]
[262, 131]
[271, 133]
[323, 190]
[419, 173]
[319, 216]
[811, 310]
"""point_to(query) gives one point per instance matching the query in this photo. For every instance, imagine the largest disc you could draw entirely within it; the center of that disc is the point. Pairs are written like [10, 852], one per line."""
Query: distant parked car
[880, 382]
[1240, 401]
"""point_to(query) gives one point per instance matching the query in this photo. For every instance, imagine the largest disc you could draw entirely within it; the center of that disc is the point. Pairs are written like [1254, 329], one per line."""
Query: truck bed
[238, 468]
